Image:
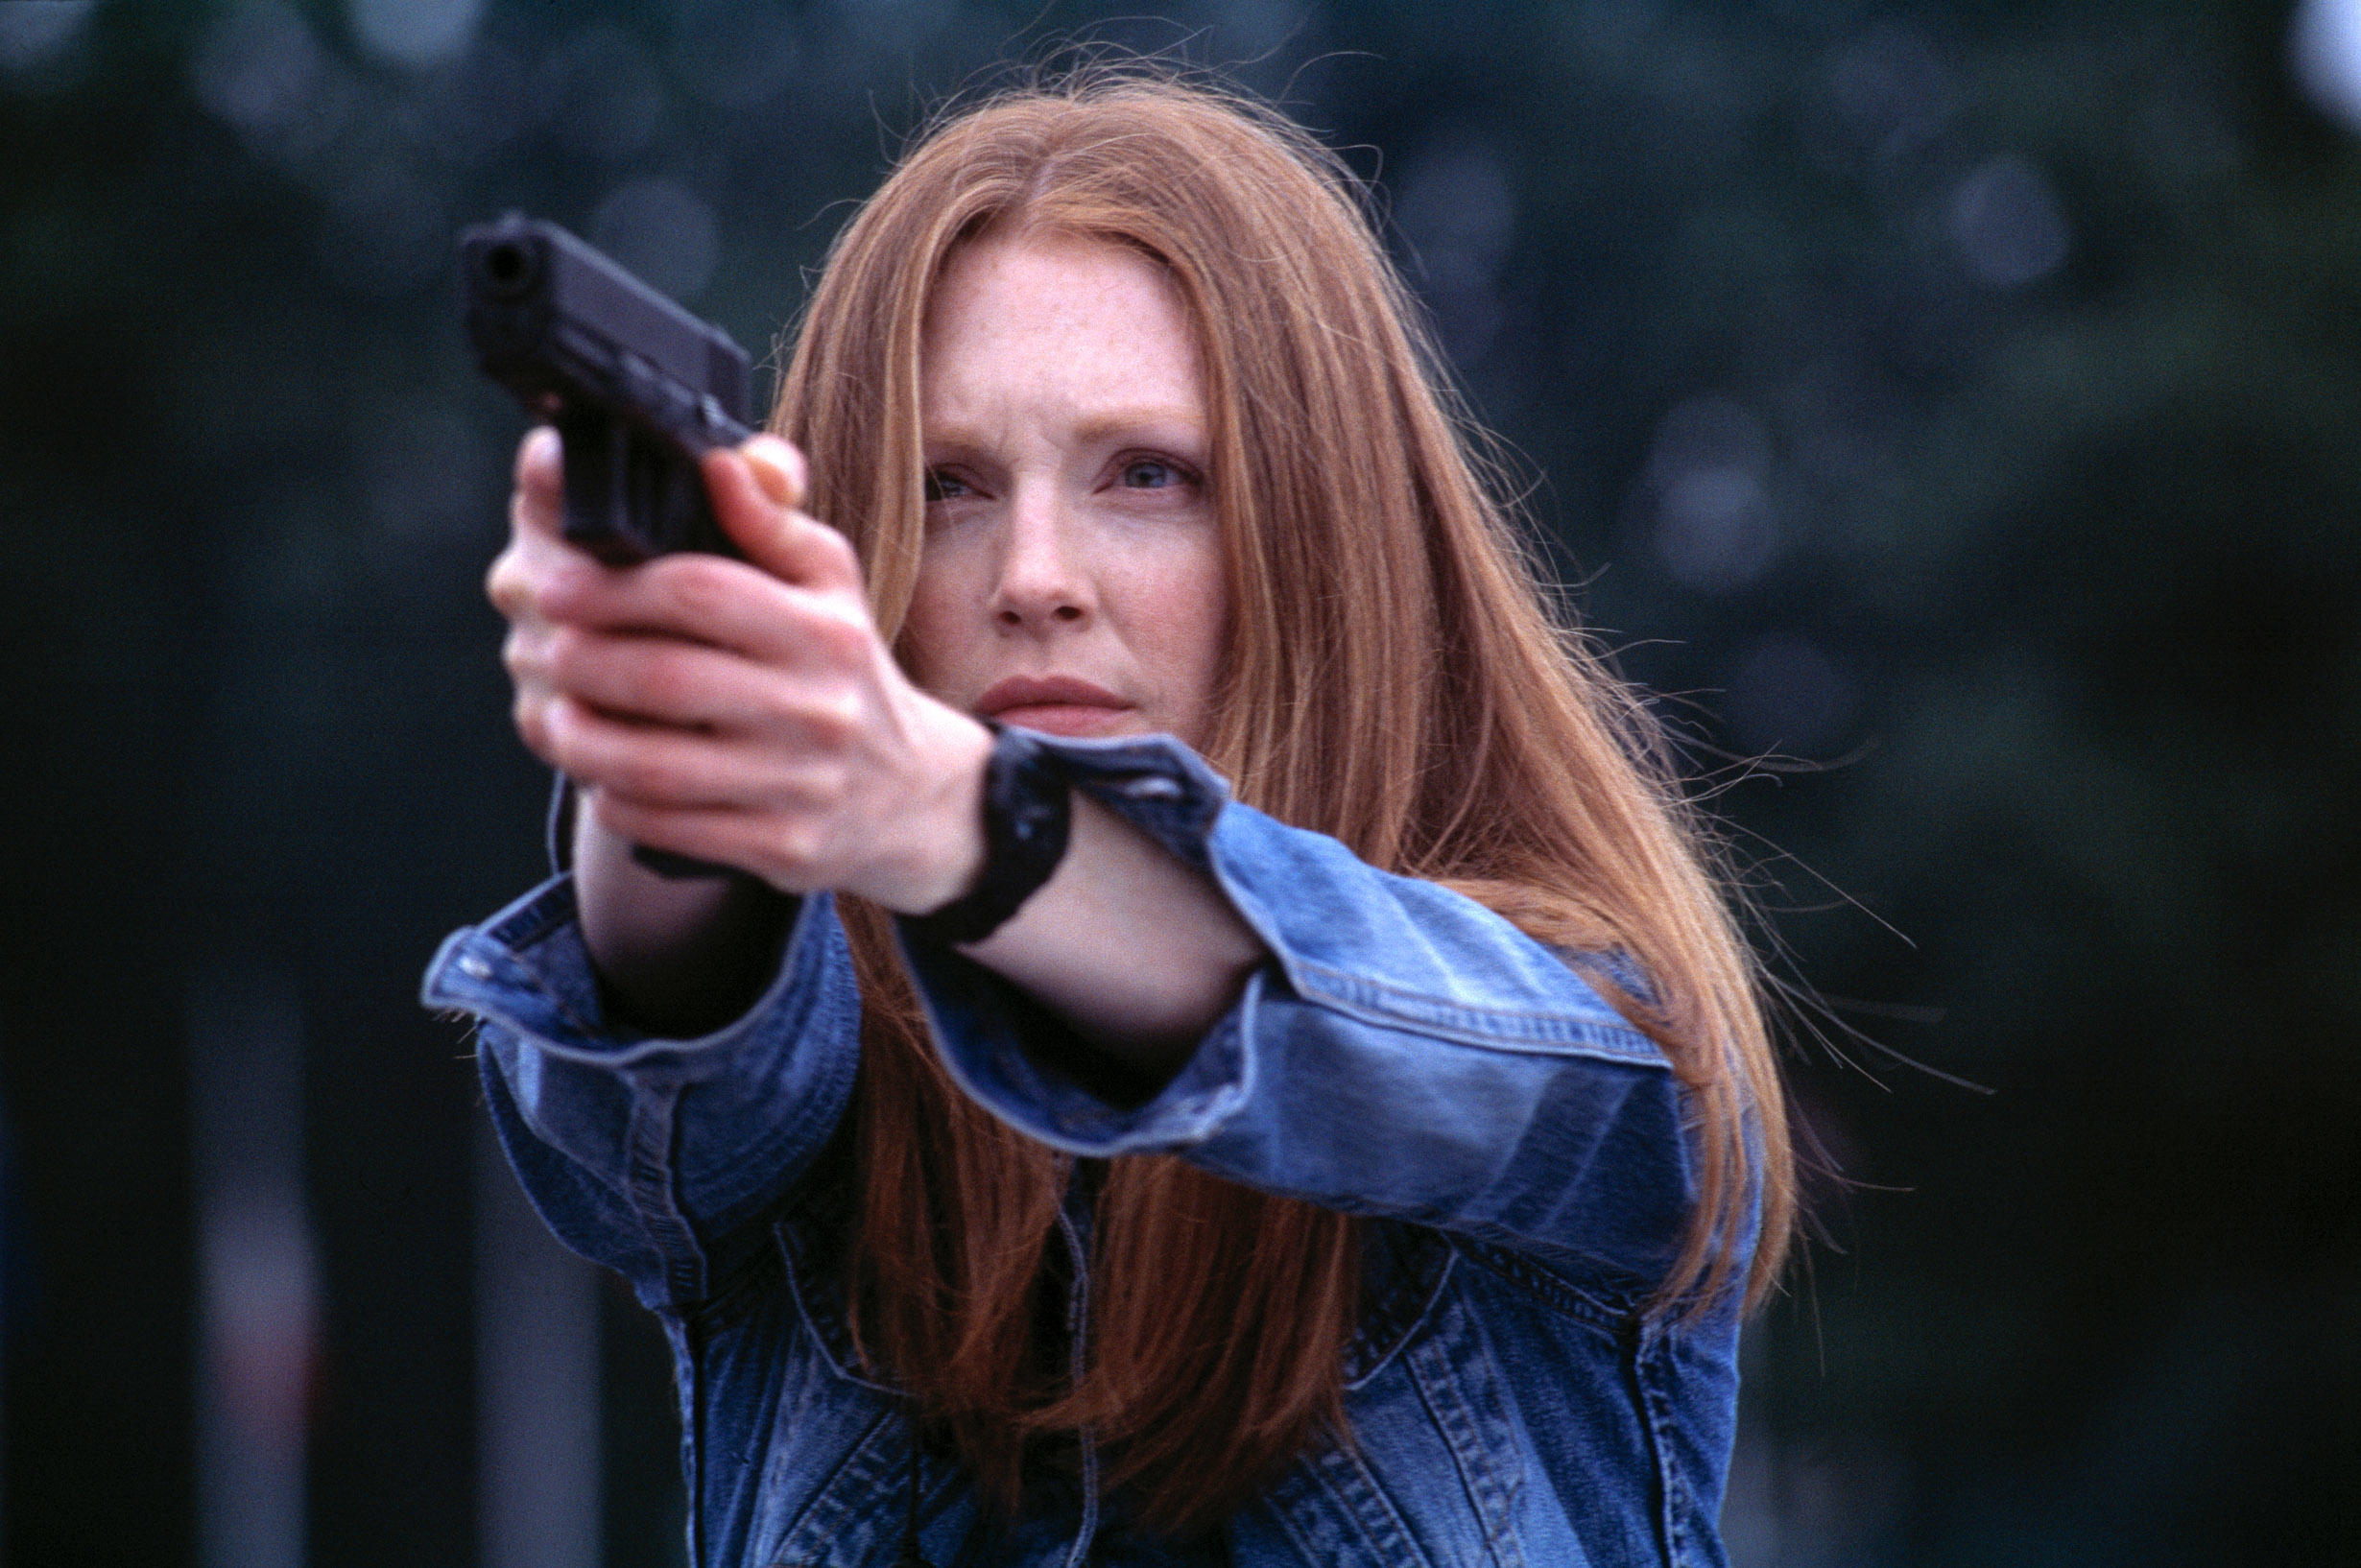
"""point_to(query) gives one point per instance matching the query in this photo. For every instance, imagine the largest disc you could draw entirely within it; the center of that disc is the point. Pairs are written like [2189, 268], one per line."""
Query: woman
[1045, 1154]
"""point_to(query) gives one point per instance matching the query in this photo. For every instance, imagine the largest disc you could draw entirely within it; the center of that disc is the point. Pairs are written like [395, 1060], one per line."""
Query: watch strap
[1027, 815]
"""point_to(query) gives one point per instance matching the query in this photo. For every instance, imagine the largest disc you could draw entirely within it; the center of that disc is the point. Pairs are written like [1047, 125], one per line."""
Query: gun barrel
[548, 314]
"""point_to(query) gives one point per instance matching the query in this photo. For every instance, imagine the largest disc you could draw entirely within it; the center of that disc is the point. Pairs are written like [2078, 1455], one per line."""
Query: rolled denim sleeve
[647, 1154]
[1403, 1052]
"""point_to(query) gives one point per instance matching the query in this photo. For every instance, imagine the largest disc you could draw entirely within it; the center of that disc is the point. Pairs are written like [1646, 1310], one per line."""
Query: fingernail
[779, 468]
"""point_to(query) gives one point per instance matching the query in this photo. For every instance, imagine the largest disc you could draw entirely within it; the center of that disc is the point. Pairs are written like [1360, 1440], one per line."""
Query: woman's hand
[743, 712]
[748, 713]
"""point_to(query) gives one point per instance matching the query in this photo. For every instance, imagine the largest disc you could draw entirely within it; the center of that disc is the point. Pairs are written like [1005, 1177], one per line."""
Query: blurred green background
[1961, 401]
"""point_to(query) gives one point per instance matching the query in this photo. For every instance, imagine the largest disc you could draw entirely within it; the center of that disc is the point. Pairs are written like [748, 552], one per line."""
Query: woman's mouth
[1056, 705]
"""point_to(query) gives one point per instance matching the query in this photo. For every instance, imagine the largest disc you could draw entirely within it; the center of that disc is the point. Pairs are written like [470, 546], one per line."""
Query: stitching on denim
[687, 1343]
[831, 1512]
[735, 1299]
[551, 911]
[788, 1251]
[614, 1187]
[542, 914]
[1547, 1286]
[765, 1159]
[1077, 1332]
[1283, 1514]
[648, 1171]
[508, 965]
[1492, 1028]
[1435, 1373]
[1611, 1023]
[1340, 1477]
[810, 1129]
[735, 1296]
[1672, 1494]
[1415, 1326]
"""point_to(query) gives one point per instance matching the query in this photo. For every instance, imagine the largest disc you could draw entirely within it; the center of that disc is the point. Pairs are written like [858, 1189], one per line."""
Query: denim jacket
[1402, 1054]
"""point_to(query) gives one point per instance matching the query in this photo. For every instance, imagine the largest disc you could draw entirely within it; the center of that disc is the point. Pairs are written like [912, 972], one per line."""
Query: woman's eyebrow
[1172, 423]
[1159, 418]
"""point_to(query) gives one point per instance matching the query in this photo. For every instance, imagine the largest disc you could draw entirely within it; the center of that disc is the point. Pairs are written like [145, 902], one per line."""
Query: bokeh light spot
[2324, 48]
[2007, 225]
[414, 33]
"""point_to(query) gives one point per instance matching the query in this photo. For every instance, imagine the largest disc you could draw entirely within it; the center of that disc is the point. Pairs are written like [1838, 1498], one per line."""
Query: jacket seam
[1673, 1508]
[1446, 1406]
[809, 1128]
[1554, 1016]
[530, 926]
[1497, 1029]
[728, 1299]
[692, 1397]
[1546, 1287]
[1416, 1325]
[854, 1472]
[810, 1325]
[649, 1139]
[1347, 1484]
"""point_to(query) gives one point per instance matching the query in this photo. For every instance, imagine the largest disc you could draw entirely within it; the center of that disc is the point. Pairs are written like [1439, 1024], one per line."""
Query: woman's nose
[1042, 584]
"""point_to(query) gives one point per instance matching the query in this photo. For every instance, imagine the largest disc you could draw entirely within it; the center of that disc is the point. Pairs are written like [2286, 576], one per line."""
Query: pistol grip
[630, 495]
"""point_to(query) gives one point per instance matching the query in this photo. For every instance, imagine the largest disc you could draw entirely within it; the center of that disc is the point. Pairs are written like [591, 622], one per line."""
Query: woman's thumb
[778, 468]
[755, 488]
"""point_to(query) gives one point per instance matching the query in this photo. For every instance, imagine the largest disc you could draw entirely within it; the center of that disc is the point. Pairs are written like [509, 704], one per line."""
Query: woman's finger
[541, 480]
[712, 600]
[669, 768]
[649, 680]
[666, 680]
[538, 571]
[536, 554]
[659, 764]
[794, 853]
[761, 611]
[784, 542]
[697, 833]
[779, 468]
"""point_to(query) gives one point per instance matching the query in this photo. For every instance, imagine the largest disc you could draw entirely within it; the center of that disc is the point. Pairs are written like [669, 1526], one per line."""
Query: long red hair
[1399, 676]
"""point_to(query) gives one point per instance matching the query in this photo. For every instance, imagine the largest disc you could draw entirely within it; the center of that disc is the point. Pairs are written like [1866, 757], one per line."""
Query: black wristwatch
[1028, 813]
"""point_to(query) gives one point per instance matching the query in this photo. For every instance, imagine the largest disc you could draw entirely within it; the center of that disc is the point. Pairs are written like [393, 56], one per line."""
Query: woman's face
[1071, 579]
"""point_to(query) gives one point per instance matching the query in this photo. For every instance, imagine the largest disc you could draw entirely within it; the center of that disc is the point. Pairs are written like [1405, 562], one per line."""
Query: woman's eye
[1151, 474]
[943, 487]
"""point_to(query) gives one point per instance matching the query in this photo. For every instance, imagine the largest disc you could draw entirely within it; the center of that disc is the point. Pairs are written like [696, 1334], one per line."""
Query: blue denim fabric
[1404, 1054]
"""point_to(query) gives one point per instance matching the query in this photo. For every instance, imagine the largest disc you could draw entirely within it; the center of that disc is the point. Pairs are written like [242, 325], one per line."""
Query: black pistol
[637, 387]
